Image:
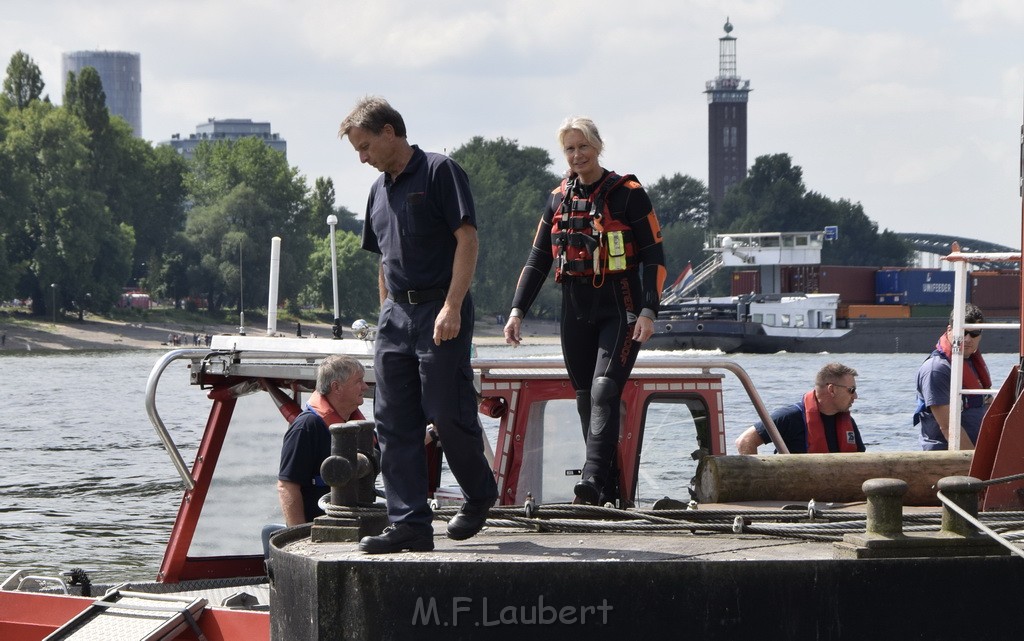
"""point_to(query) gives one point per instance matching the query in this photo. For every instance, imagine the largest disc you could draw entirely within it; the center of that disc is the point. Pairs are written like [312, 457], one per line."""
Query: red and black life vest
[586, 240]
[846, 438]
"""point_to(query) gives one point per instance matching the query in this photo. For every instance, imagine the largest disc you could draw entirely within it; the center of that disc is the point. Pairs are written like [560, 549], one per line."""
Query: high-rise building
[119, 72]
[727, 122]
[214, 130]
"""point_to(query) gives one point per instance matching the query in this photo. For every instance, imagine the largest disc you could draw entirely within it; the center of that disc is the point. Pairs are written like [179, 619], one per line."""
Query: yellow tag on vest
[616, 251]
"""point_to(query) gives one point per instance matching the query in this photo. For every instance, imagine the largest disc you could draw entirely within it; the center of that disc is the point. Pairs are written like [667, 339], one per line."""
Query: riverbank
[23, 335]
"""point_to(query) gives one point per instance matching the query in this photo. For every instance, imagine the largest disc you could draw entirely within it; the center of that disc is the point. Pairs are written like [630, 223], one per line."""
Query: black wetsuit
[598, 318]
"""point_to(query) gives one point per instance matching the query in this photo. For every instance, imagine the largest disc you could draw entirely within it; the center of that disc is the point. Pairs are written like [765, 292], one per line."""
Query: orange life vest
[816, 443]
[586, 240]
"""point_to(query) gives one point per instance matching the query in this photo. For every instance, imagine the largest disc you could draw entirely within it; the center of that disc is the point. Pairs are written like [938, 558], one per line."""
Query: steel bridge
[940, 244]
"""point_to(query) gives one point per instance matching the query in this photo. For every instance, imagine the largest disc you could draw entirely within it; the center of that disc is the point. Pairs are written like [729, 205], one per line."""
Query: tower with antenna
[727, 122]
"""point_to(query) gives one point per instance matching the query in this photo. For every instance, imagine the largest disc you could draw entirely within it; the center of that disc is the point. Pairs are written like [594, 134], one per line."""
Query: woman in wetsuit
[600, 231]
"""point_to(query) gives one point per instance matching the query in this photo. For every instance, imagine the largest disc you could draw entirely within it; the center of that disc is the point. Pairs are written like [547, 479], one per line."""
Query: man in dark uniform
[420, 218]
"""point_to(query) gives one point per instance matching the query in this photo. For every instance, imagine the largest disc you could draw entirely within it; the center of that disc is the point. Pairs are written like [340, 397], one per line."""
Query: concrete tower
[120, 74]
[727, 122]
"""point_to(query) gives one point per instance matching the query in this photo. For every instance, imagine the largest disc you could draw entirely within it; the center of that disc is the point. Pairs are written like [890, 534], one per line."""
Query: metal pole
[332, 220]
[241, 293]
[956, 369]
[53, 289]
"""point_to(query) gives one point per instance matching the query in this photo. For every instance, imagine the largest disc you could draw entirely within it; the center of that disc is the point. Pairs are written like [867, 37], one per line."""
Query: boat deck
[507, 582]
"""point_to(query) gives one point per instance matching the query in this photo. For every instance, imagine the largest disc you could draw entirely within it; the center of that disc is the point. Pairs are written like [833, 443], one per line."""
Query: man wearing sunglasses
[819, 423]
[933, 381]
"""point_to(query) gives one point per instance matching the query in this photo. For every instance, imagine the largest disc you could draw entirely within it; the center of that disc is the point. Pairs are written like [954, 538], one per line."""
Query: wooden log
[823, 477]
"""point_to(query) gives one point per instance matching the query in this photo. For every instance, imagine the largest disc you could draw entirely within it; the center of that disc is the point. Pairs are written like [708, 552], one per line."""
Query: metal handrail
[960, 261]
[154, 416]
[482, 364]
[681, 363]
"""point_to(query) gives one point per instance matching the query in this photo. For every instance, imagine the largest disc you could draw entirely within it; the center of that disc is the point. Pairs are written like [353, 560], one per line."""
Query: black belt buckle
[415, 297]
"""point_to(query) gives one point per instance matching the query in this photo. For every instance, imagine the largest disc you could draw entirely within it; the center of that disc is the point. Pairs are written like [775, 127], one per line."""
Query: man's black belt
[417, 296]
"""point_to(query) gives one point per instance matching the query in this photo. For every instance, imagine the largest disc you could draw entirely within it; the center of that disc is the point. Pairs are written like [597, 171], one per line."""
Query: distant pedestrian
[3, 339]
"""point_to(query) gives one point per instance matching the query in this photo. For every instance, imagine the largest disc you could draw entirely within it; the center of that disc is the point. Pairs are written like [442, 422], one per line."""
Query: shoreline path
[102, 334]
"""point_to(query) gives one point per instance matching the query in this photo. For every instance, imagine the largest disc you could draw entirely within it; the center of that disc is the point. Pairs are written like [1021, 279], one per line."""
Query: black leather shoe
[398, 538]
[468, 521]
[586, 493]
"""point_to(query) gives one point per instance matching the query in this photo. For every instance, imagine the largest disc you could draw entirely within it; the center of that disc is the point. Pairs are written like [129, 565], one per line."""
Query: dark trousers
[418, 383]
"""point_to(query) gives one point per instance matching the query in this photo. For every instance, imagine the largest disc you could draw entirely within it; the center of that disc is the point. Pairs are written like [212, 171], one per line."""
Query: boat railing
[643, 367]
[154, 415]
[960, 262]
[653, 366]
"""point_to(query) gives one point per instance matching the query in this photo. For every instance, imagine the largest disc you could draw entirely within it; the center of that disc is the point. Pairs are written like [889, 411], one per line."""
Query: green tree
[322, 205]
[680, 199]
[358, 296]
[510, 185]
[143, 186]
[24, 81]
[66, 235]
[244, 194]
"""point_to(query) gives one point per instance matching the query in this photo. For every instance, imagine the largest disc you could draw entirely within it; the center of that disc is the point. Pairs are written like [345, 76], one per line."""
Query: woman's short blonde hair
[586, 127]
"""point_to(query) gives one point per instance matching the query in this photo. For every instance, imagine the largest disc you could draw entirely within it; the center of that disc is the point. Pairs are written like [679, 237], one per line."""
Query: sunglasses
[972, 333]
[852, 390]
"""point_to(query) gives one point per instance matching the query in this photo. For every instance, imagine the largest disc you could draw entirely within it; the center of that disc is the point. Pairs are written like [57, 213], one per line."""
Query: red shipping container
[746, 281]
[854, 284]
[995, 291]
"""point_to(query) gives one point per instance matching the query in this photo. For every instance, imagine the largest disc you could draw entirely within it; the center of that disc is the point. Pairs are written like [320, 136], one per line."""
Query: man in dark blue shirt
[338, 395]
[420, 218]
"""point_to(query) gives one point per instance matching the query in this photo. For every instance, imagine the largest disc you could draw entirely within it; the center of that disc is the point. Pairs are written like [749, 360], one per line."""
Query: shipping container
[854, 284]
[878, 311]
[914, 287]
[995, 290]
[746, 281]
[930, 311]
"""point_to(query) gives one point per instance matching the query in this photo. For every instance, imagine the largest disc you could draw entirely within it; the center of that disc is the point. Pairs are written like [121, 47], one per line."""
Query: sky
[912, 108]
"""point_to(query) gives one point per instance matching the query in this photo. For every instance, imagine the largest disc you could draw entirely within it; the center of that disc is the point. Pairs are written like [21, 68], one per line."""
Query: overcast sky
[911, 107]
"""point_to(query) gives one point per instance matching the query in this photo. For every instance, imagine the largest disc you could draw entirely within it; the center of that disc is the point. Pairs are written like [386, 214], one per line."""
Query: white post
[275, 269]
[956, 373]
[332, 220]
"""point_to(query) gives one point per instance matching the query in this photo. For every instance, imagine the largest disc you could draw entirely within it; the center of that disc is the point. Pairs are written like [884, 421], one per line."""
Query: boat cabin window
[553, 452]
[799, 320]
[783, 320]
[674, 428]
[757, 318]
[243, 494]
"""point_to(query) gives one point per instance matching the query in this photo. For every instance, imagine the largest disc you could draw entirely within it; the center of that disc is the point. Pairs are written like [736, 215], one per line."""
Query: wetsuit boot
[601, 441]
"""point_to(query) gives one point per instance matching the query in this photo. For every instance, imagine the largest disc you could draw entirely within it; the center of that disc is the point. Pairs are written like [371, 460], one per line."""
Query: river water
[86, 483]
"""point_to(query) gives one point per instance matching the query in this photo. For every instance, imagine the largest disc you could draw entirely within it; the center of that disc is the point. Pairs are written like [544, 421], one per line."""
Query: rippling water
[86, 483]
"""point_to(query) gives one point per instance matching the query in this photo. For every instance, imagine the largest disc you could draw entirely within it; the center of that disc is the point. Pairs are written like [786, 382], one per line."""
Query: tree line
[87, 210]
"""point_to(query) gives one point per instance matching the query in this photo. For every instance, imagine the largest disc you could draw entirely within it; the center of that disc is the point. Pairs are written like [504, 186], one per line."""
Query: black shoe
[468, 521]
[397, 538]
[586, 493]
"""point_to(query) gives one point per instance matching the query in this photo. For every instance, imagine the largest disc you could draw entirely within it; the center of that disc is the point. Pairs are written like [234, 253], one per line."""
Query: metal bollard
[351, 468]
[885, 506]
[962, 491]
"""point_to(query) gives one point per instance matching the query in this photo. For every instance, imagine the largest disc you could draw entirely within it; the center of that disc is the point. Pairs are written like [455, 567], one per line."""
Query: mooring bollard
[351, 467]
[350, 471]
[963, 491]
[885, 506]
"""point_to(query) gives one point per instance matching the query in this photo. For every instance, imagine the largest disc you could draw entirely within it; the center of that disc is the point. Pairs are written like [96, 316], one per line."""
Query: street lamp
[53, 288]
[332, 220]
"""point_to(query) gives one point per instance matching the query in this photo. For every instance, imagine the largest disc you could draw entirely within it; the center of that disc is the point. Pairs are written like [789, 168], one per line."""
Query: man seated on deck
[933, 381]
[339, 393]
[818, 423]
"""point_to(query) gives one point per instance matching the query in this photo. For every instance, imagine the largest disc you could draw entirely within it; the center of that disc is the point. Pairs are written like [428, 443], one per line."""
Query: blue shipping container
[914, 286]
